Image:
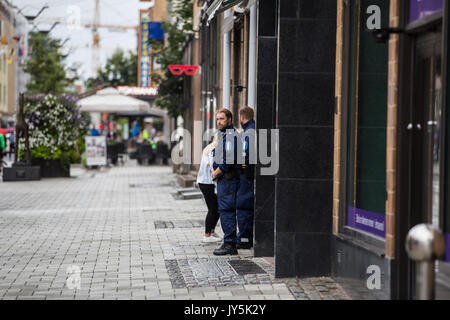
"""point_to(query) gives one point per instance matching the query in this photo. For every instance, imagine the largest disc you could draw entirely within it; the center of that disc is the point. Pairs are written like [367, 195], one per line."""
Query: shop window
[366, 122]
[420, 9]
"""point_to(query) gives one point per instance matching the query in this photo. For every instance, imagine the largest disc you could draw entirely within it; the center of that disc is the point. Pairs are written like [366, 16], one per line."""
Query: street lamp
[46, 32]
[31, 18]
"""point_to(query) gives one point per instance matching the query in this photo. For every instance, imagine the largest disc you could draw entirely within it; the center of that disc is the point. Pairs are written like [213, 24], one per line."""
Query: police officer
[226, 172]
[245, 195]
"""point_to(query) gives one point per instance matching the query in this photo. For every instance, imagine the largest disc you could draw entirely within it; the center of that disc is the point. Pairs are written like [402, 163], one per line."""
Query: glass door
[426, 124]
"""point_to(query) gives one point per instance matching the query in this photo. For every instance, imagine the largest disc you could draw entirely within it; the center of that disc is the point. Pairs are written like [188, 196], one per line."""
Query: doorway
[425, 147]
[426, 123]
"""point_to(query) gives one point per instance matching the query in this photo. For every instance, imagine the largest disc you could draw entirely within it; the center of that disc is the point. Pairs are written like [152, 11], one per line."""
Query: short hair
[247, 113]
[227, 113]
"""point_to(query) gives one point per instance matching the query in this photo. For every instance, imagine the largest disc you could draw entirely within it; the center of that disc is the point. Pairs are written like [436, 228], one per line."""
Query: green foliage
[56, 128]
[45, 66]
[120, 69]
[171, 86]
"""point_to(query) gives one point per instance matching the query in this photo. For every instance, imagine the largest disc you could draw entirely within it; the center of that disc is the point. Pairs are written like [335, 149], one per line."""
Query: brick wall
[337, 116]
[391, 142]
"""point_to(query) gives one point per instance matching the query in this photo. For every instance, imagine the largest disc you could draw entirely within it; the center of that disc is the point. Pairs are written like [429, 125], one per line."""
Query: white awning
[211, 11]
[110, 100]
[219, 6]
[227, 4]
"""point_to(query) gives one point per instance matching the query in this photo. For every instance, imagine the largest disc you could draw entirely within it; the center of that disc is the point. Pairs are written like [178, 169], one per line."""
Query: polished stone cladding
[296, 77]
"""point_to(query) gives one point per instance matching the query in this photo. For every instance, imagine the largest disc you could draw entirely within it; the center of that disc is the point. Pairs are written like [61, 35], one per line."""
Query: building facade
[355, 93]
[8, 62]
[390, 160]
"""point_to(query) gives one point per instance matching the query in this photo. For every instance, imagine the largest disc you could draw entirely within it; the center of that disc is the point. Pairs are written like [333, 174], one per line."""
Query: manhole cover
[205, 272]
[244, 267]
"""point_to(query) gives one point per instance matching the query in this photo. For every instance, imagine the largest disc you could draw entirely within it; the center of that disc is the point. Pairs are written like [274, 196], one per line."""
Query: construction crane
[94, 25]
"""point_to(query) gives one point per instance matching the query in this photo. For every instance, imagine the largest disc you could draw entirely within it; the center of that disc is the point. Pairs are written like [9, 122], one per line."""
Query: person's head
[246, 114]
[224, 118]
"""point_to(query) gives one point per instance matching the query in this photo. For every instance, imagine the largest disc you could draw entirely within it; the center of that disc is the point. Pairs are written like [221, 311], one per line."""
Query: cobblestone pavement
[119, 233]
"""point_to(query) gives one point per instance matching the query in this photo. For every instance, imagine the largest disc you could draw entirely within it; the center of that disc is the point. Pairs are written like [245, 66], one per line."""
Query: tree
[118, 70]
[170, 88]
[45, 66]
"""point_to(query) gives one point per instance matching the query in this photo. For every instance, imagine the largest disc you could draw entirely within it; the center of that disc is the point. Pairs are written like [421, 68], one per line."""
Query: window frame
[350, 84]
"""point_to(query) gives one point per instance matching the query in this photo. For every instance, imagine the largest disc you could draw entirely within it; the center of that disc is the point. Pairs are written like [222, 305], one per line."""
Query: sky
[112, 12]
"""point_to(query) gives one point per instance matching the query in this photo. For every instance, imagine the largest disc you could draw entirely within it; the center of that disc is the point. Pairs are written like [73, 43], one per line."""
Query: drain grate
[243, 267]
[205, 272]
[179, 224]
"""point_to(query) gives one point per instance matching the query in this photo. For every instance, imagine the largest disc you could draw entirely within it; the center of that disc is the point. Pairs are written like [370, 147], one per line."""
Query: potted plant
[55, 128]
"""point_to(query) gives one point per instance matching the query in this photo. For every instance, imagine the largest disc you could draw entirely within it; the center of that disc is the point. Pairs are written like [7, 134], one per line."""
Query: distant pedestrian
[134, 134]
[94, 131]
[135, 130]
[207, 187]
[12, 142]
[2, 148]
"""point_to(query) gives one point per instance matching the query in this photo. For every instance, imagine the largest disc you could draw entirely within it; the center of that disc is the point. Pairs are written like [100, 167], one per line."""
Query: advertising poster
[96, 151]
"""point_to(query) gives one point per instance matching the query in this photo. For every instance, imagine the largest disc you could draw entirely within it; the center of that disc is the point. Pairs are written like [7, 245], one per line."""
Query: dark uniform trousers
[227, 190]
[244, 209]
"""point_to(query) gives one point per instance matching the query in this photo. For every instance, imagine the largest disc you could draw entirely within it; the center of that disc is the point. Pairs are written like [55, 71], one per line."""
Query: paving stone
[129, 238]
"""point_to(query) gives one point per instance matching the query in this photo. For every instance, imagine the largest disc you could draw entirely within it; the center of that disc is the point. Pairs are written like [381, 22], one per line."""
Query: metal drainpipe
[251, 99]
[226, 77]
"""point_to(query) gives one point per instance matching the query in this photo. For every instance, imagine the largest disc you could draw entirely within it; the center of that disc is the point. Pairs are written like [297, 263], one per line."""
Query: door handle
[410, 127]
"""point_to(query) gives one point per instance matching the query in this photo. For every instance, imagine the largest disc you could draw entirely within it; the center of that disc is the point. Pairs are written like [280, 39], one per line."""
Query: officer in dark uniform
[245, 194]
[226, 172]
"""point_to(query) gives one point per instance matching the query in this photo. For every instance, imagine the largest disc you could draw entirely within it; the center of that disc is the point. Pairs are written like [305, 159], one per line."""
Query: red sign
[178, 69]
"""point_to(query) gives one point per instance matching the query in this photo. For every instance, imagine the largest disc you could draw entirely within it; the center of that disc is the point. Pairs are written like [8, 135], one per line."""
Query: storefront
[422, 133]
[391, 154]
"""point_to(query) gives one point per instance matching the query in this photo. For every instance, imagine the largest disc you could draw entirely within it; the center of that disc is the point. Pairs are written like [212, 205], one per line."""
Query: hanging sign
[178, 69]
[144, 49]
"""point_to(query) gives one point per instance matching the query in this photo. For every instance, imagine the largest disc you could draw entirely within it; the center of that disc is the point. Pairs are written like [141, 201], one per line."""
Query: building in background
[150, 28]
[8, 63]
[22, 31]
[219, 46]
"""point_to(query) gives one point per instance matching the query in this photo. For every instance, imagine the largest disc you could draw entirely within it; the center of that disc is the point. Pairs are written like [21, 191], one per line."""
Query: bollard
[424, 244]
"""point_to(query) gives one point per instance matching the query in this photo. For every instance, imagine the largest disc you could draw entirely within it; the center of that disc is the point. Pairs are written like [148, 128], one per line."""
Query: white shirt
[204, 173]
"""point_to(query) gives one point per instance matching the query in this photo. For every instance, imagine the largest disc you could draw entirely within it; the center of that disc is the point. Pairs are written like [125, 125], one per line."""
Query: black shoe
[244, 245]
[226, 248]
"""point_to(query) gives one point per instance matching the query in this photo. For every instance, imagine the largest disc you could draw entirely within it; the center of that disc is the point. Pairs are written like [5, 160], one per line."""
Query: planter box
[21, 172]
[52, 168]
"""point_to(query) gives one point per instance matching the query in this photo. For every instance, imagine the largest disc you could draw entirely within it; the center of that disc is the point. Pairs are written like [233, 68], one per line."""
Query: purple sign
[447, 247]
[370, 222]
[420, 9]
